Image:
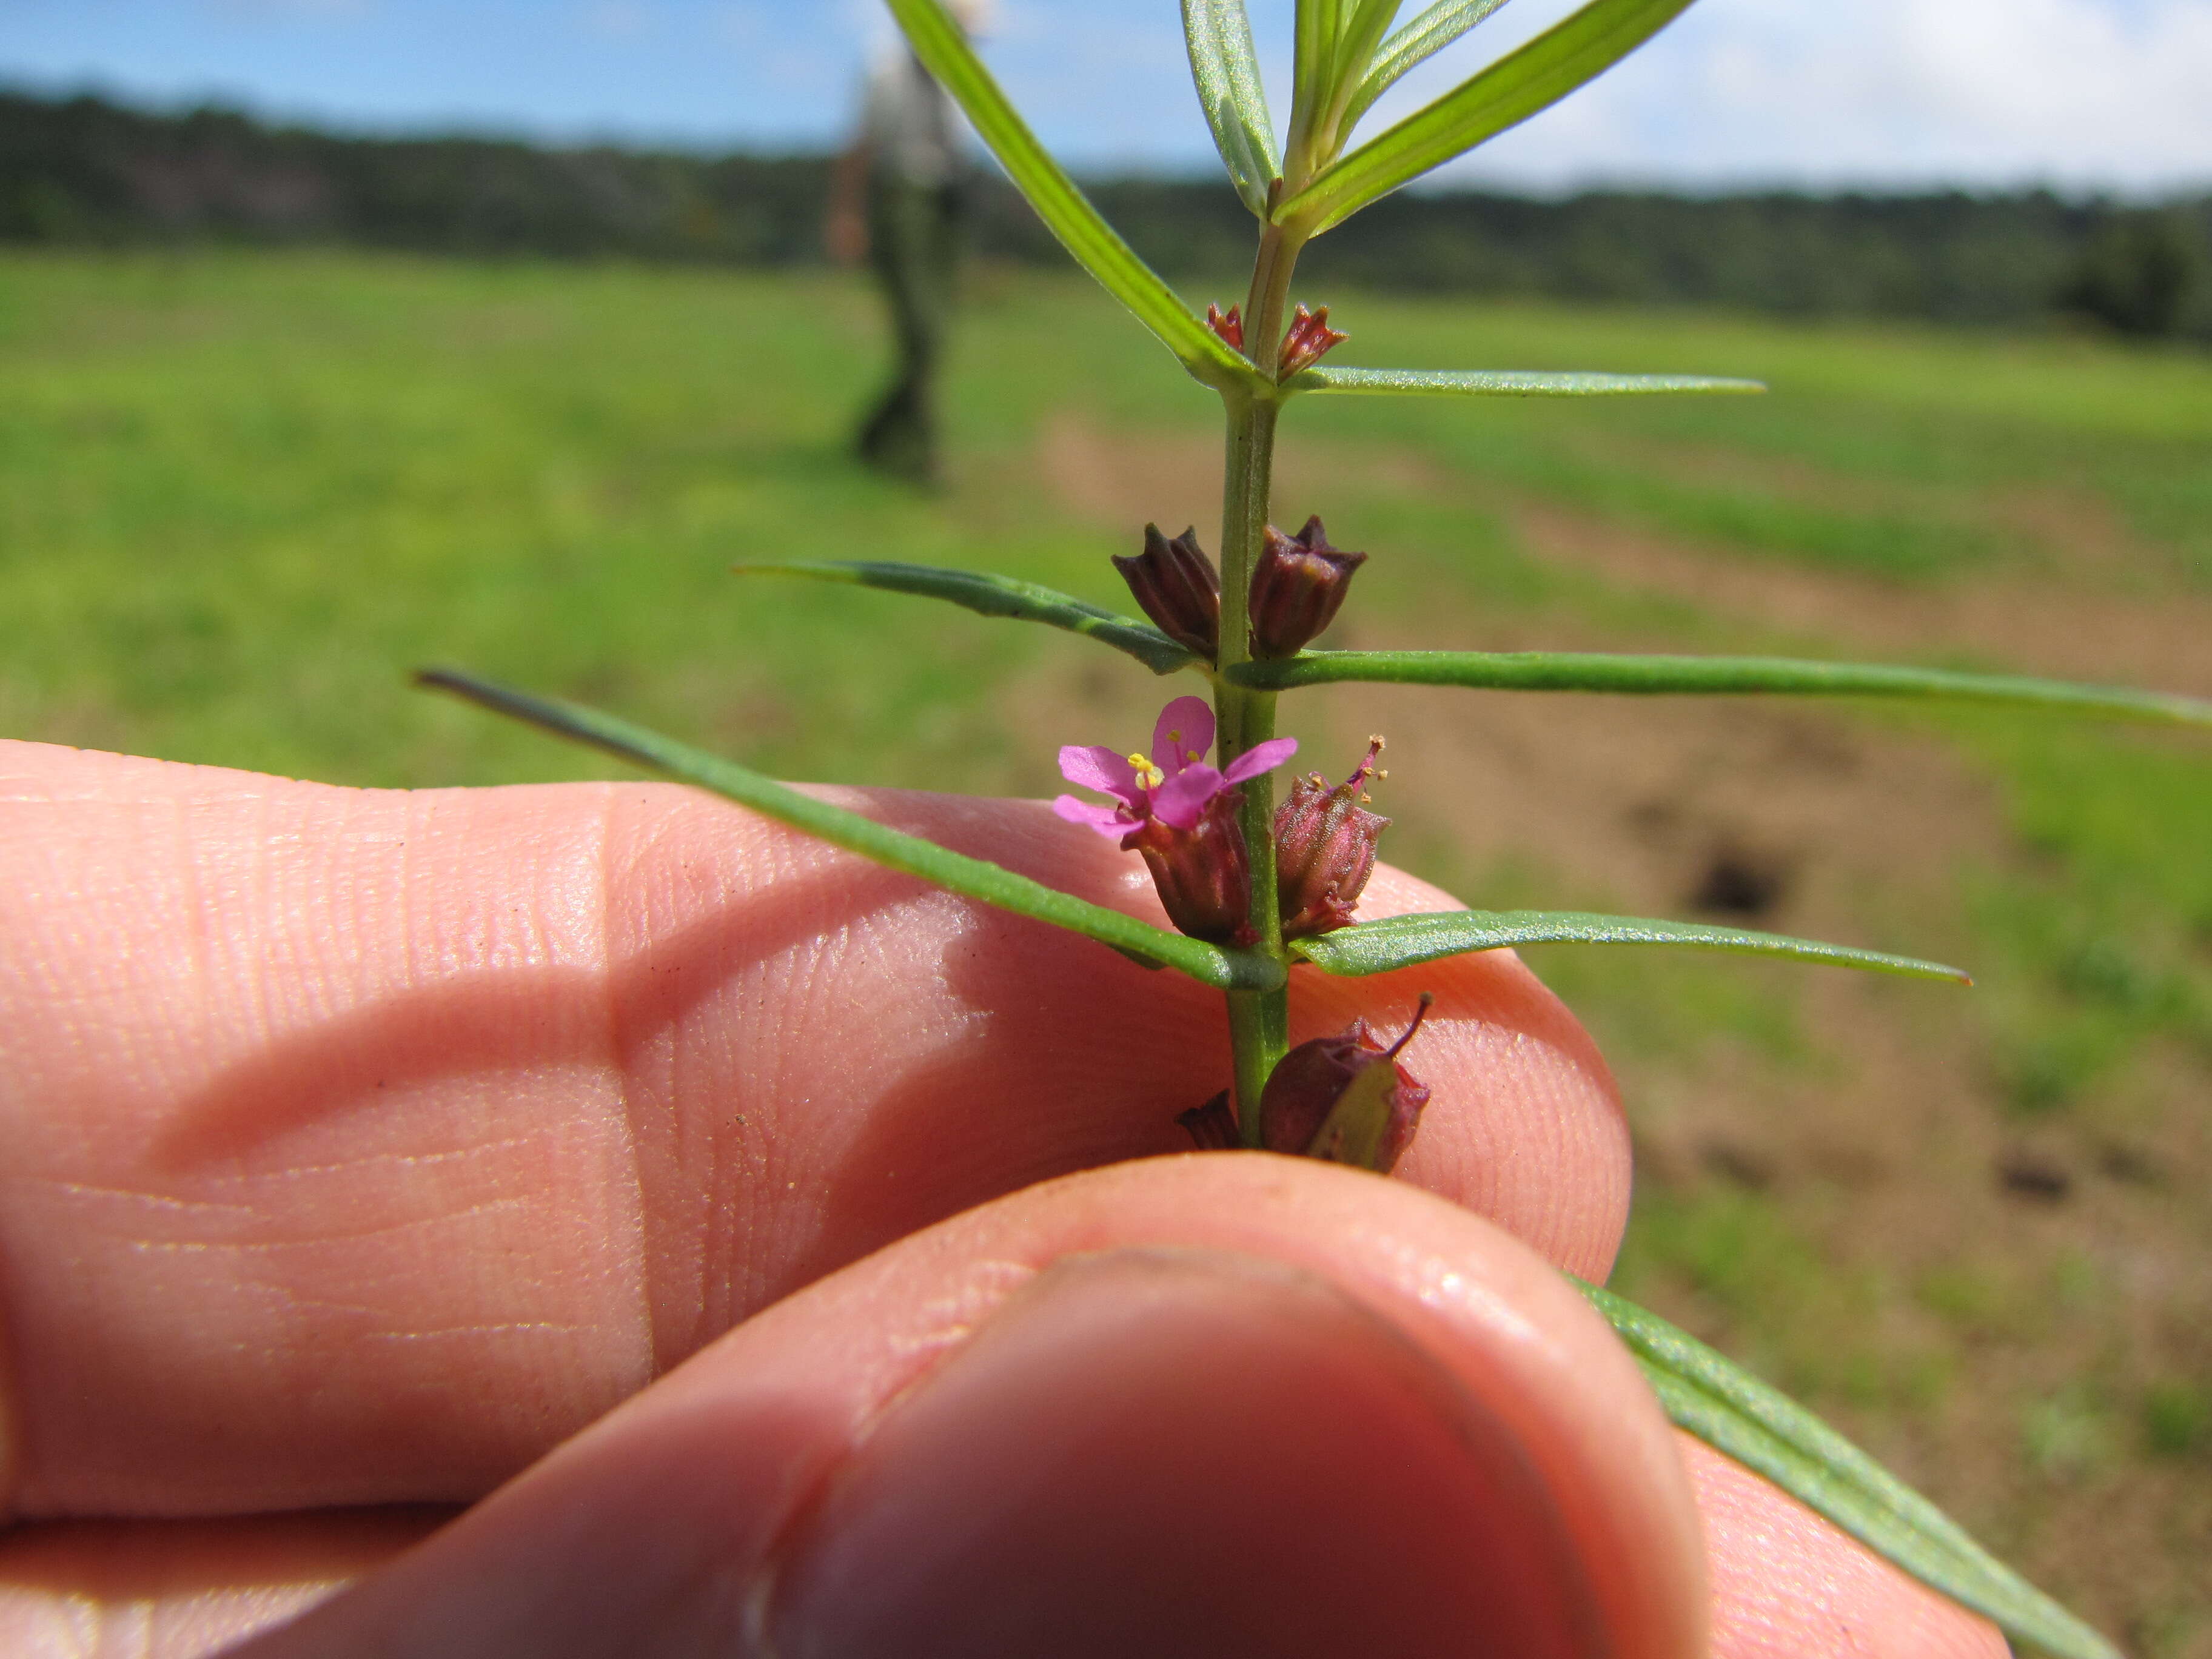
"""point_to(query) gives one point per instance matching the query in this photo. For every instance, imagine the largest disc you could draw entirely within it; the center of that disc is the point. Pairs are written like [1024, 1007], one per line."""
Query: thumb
[1209, 1406]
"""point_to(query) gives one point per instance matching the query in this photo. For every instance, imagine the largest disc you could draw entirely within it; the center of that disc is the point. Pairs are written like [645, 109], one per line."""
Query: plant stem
[1259, 1021]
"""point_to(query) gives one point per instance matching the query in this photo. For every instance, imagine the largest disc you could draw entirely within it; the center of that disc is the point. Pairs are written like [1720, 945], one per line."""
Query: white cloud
[2097, 93]
[2084, 93]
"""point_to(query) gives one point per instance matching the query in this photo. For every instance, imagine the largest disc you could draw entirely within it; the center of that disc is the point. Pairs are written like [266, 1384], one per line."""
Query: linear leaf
[1364, 26]
[1378, 947]
[1504, 383]
[996, 596]
[1226, 72]
[1318, 26]
[1097, 247]
[1766, 1431]
[1419, 40]
[1577, 671]
[976, 879]
[1315, 32]
[1509, 92]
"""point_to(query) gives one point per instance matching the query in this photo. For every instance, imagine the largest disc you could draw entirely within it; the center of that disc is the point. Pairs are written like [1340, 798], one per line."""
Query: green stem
[1263, 304]
[1259, 1021]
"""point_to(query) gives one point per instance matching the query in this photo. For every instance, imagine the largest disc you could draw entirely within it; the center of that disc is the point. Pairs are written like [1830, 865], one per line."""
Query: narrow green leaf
[1096, 245]
[1576, 670]
[1509, 92]
[1318, 27]
[996, 596]
[975, 879]
[1226, 72]
[1419, 41]
[1363, 29]
[1378, 947]
[1732, 1410]
[1503, 383]
[1364, 26]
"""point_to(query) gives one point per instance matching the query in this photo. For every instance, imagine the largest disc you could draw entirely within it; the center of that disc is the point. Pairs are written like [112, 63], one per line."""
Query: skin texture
[675, 1180]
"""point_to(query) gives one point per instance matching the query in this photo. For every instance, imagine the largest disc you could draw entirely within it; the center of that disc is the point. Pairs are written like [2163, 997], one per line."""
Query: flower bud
[1178, 588]
[1298, 583]
[1230, 327]
[1345, 1098]
[1203, 873]
[1307, 339]
[1213, 1126]
[1325, 849]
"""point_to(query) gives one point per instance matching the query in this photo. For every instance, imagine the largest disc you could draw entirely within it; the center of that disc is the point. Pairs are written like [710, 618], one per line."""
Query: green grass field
[240, 496]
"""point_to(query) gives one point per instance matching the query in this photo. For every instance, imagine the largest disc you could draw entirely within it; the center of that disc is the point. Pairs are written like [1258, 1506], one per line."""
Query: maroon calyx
[1299, 585]
[1325, 844]
[1345, 1098]
[1176, 586]
[1307, 339]
[1213, 1126]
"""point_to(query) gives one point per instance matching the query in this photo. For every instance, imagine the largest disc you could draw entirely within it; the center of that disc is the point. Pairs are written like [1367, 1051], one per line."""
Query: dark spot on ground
[1740, 883]
[2034, 1177]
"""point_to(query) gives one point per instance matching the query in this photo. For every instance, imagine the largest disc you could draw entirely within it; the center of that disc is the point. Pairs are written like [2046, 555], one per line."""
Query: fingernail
[1170, 1452]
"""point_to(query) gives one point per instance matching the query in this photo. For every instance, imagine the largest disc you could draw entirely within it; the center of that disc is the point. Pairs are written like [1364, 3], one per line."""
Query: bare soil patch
[2059, 627]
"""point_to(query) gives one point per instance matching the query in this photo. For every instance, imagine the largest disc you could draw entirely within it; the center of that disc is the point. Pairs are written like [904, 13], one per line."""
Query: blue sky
[2111, 95]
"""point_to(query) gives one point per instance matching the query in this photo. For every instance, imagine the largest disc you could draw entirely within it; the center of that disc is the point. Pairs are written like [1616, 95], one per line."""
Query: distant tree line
[85, 172]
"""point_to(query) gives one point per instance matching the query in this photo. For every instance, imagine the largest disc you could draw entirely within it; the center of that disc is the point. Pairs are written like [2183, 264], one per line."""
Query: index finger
[364, 1144]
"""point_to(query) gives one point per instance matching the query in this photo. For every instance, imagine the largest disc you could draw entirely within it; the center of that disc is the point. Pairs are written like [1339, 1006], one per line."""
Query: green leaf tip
[1713, 1398]
[975, 879]
[1419, 39]
[943, 47]
[1514, 87]
[1635, 676]
[1226, 72]
[1391, 941]
[994, 596]
[1507, 383]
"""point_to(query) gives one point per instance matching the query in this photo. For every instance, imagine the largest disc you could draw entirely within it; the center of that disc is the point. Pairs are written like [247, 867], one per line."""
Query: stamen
[1365, 770]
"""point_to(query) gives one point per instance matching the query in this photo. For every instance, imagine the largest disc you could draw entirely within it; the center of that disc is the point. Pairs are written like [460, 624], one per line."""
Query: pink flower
[1173, 786]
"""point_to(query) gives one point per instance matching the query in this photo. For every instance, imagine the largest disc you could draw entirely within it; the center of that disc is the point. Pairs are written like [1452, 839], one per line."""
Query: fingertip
[1215, 1406]
[1183, 1452]
[1787, 1584]
[1524, 1124]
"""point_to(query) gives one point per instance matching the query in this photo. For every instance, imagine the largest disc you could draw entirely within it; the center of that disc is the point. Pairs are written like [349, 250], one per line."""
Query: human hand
[665, 1186]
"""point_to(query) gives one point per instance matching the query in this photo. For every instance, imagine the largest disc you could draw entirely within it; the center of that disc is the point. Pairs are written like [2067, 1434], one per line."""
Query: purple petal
[1182, 735]
[1108, 821]
[1180, 801]
[1097, 767]
[1259, 757]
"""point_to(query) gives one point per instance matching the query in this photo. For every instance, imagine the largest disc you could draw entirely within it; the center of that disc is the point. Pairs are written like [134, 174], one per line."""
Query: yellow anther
[1149, 776]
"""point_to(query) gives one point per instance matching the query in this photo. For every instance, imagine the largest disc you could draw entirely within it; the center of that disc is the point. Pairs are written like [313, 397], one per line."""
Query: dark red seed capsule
[1345, 1098]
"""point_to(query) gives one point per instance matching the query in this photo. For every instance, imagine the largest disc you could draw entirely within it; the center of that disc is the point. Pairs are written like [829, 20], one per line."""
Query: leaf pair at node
[1346, 58]
[1228, 79]
[1621, 674]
